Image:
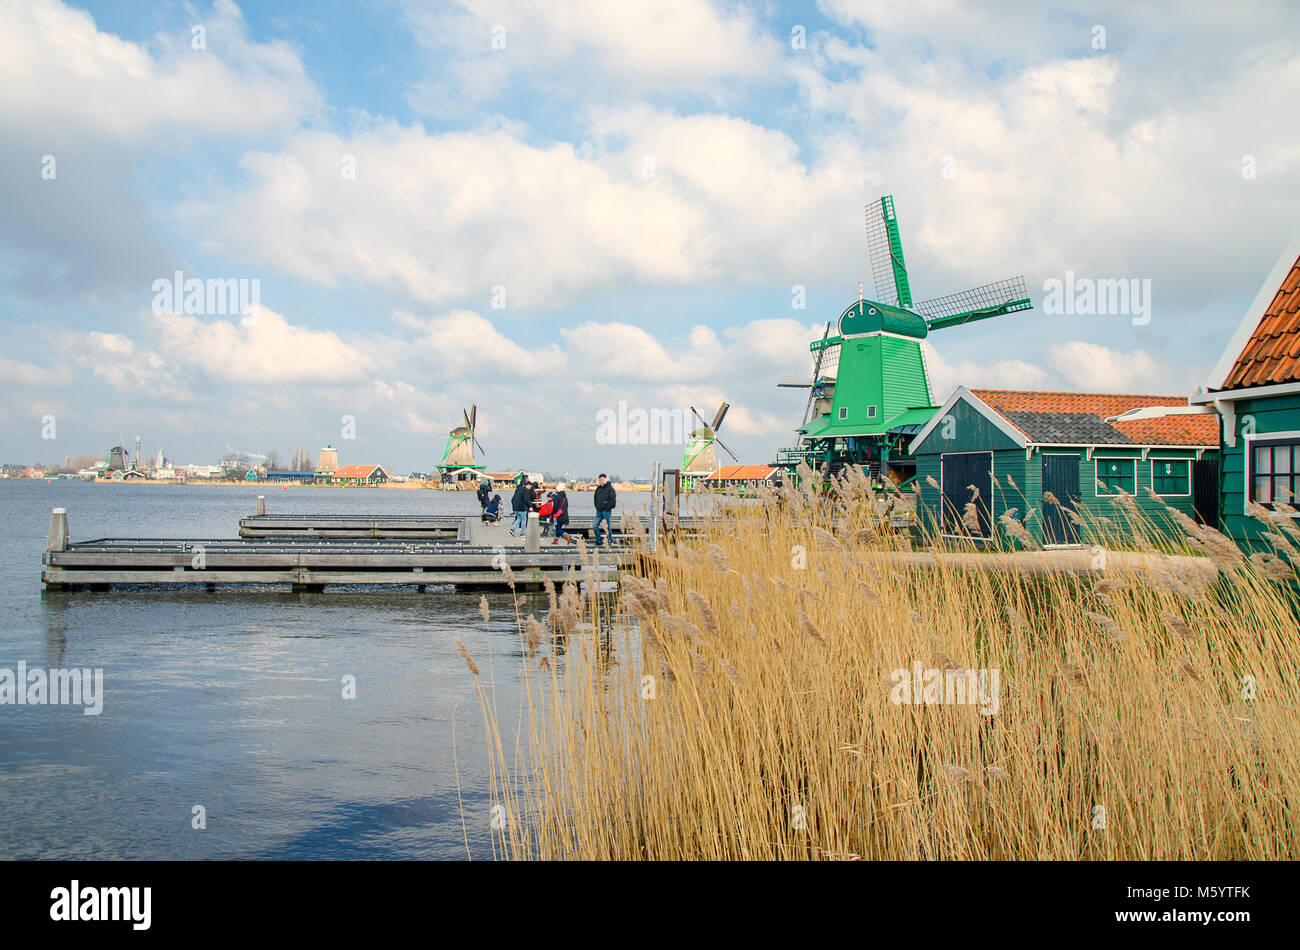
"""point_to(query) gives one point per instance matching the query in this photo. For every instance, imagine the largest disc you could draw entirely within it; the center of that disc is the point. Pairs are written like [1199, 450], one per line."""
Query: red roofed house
[1255, 387]
[359, 475]
[1084, 448]
[746, 476]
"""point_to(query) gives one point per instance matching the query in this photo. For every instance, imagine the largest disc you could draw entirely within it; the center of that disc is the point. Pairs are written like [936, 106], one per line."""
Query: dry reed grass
[734, 703]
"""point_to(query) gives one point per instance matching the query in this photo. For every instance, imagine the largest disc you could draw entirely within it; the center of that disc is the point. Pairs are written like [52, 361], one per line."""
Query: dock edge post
[58, 540]
[261, 504]
[532, 534]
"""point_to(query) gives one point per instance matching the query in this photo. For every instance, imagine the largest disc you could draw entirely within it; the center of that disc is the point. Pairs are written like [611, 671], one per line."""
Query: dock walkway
[392, 526]
[309, 565]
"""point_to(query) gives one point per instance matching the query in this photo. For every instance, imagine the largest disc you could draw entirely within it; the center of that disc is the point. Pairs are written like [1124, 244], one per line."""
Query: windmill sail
[978, 303]
[885, 251]
[700, 458]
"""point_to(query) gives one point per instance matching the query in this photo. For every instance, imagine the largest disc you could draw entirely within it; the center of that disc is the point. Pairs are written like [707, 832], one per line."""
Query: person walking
[559, 513]
[606, 500]
[484, 494]
[520, 502]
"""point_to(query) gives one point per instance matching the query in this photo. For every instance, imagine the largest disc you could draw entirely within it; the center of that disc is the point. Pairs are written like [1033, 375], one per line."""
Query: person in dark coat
[520, 502]
[484, 494]
[606, 499]
[560, 513]
[492, 510]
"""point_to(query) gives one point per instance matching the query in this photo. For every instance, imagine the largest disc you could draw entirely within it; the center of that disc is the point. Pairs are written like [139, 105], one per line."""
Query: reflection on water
[234, 700]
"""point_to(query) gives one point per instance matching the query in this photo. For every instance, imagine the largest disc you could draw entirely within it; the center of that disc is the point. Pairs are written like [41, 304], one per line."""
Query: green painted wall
[1266, 415]
[973, 432]
[881, 371]
[969, 431]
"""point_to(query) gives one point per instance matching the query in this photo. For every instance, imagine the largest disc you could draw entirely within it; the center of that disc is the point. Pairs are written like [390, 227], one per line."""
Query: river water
[234, 700]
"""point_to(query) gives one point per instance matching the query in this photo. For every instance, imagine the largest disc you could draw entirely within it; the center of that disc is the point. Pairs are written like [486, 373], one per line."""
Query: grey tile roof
[1075, 428]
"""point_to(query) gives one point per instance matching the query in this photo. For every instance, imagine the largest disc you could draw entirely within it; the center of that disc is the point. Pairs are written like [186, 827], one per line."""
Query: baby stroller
[492, 511]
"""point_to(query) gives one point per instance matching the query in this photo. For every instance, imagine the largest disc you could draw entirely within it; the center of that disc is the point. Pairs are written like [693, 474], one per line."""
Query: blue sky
[641, 188]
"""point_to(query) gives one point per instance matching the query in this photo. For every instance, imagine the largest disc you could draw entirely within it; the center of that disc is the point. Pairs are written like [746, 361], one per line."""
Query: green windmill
[869, 391]
[699, 459]
[458, 461]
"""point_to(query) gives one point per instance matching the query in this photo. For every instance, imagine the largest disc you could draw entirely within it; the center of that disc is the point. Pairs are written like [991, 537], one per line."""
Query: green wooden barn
[1255, 388]
[1084, 448]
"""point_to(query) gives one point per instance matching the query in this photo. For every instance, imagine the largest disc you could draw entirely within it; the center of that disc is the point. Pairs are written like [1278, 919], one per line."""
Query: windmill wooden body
[700, 459]
[869, 391]
[458, 462]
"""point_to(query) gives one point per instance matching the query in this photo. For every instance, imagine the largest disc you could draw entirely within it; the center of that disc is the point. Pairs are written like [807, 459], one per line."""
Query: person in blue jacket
[520, 503]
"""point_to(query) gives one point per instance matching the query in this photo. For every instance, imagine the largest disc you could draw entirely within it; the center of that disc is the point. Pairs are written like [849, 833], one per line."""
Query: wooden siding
[1269, 414]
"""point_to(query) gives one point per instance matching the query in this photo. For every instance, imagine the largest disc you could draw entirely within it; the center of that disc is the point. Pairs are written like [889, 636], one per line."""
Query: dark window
[844, 412]
[1115, 475]
[1171, 477]
[871, 412]
[1273, 465]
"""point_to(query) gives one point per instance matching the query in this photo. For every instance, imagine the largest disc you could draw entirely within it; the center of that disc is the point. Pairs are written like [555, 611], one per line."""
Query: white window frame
[1185, 494]
[871, 412]
[1249, 462]
[1096, 479]
[844, 413]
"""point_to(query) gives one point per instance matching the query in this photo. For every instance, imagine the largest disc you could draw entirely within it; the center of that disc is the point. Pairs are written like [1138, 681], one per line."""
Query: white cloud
[463, 344]
[19, 373]
[263, 348]
[946, 376]
[681, 46]
[114, 359]
[59, 71]
[1091, 367]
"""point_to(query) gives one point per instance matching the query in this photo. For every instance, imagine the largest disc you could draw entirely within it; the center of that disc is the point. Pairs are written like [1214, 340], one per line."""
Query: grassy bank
[742, 699]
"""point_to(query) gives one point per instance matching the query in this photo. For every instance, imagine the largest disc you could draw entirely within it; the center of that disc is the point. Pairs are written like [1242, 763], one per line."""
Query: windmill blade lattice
[978, 303]
[885, 251]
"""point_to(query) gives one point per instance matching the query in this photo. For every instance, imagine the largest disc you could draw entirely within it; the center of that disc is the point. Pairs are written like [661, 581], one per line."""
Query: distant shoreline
[409, 486]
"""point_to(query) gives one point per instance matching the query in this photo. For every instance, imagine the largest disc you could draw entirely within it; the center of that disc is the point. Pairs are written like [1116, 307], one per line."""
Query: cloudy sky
[550, 207]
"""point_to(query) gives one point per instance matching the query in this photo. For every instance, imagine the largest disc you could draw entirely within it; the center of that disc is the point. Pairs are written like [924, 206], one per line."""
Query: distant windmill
[461, 442]
[700, 459]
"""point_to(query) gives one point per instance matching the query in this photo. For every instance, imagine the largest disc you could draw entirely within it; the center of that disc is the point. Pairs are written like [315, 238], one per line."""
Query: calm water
[233, 700]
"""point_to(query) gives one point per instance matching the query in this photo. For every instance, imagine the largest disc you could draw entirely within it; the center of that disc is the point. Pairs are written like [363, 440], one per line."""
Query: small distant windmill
[461, 442]
[700, 459]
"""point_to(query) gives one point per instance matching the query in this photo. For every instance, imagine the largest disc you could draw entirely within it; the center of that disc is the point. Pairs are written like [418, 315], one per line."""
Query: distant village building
[277, 476]
[359, 475]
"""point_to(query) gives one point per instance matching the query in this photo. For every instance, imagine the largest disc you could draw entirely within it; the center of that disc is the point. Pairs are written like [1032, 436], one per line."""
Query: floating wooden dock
[307, 564]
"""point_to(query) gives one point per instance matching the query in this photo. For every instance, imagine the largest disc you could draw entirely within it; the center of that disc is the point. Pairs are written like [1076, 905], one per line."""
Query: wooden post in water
[654, 507]
[58, 530]
[261, 504]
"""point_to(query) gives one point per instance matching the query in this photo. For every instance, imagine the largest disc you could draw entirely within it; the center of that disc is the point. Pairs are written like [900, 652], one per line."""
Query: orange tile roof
[741, 472]
[1198, 430]
[355, 471]
[1273, 353]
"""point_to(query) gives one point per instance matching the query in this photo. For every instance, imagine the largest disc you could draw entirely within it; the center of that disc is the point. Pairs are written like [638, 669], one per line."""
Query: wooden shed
[1084, 448]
